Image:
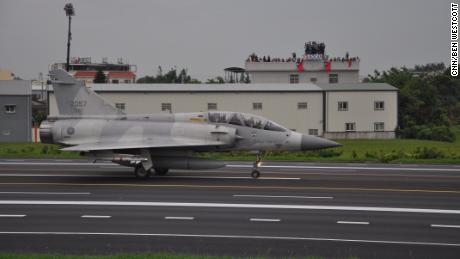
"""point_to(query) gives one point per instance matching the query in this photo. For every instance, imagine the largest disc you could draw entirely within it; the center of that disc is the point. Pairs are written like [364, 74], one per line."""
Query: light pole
[69, 12]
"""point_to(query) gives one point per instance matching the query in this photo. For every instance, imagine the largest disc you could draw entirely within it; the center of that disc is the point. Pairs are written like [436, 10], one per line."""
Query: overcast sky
[206, 36]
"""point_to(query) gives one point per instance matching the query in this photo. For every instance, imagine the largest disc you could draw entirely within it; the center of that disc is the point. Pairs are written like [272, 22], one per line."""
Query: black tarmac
[295, 209]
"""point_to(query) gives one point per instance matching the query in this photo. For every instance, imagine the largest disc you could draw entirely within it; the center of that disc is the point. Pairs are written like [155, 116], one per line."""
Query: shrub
[354, 155]
[441, 133]
[329, 153]
[428, 153]
[44, 149]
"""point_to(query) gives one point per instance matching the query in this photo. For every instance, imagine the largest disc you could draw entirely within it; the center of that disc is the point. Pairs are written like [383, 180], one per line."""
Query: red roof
[118, 74]
[91, 74]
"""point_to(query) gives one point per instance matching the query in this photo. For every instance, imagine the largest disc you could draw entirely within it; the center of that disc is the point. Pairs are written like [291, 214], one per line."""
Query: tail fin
[74, 98]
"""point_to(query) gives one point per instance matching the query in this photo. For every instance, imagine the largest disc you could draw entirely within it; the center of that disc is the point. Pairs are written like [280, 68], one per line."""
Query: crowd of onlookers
[313, 51]
[254, 58]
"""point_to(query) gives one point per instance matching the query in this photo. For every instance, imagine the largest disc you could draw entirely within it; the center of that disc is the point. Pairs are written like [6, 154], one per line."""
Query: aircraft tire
[255, 174]
[161, 171]
[140, 172]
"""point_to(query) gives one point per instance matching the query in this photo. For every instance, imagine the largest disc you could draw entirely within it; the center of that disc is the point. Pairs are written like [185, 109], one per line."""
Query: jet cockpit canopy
[245, 120]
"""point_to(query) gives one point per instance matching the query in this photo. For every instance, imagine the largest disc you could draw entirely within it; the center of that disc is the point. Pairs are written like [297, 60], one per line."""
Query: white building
[314, 66]
[313, 71]
[352, 110]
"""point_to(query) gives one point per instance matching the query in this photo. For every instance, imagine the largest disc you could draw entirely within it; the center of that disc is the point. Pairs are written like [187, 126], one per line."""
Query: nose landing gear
[255, 167]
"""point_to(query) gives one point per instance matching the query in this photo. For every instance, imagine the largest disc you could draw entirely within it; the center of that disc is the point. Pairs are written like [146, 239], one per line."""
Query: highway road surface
[294, 209]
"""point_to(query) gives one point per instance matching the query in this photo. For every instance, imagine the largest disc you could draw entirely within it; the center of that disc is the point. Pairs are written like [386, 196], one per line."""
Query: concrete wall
[361, 111]
[279, 107]
[15, 127]
[283, 77]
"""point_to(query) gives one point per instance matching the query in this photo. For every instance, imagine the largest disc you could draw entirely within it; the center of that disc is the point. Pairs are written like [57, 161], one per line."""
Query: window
[379, 106]
[120, 106]
[294, 79]
[379, 126]
[313, 79]
[257, 106]
[212, 106]
[127, 81]
[313, 132]
[10, 108]
[166, 107]
[343, 106]
[350, 126]
[302, 105]
[115, 81]
[333, 78]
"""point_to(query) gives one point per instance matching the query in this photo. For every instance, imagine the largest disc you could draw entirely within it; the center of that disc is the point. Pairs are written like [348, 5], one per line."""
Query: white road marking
[62, 175]
[180, 218]
[130, 176]
[353, 222]
[282, 196]
[96, 217]
[49, 193]
[444, 226]
[12, 216]
[231, 177]
[227, 205]
[353, 167]
[265, 220]
[53, 163]
[233, 237]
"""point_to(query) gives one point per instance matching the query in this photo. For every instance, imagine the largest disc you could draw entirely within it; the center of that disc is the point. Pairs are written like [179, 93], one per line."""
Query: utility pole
[69, 12]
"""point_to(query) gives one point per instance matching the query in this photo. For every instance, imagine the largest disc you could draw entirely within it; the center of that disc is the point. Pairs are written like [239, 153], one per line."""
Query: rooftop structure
[85, 70]
[312, 66]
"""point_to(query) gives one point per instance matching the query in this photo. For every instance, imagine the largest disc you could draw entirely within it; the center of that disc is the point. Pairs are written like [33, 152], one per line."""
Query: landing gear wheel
[161, 171]
[140, 172]
[255, 167]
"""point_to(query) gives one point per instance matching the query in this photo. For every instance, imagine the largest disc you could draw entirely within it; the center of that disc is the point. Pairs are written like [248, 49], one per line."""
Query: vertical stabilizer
[74, 98]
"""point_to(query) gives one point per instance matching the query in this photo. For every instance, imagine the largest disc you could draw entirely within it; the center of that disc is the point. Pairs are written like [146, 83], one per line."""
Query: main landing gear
[255, 167]
[140, 172]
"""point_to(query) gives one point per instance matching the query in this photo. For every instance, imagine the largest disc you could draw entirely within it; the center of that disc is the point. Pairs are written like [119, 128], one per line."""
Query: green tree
[428, 100]
[173, 76]
[216, 80]
[99, 78]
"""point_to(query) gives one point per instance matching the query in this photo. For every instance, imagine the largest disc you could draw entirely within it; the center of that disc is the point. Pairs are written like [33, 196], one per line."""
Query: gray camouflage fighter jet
[159, 142]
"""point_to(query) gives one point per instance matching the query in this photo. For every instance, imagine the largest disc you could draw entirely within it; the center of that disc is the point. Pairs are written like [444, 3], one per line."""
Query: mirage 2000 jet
[159, 142]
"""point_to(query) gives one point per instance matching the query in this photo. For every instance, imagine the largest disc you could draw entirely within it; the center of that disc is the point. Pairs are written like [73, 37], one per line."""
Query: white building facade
[332, 110]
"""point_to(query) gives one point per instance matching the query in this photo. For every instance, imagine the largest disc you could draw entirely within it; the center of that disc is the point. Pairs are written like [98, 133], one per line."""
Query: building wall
[361, 112]
[15, 127]
[279, 107]
[283, 77]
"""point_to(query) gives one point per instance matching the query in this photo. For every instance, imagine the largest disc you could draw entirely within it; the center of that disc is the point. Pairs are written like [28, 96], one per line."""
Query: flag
[327, 66]
[300, 65]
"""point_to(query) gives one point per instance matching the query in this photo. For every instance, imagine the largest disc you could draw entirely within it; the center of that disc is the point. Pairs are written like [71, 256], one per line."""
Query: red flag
[300, 66]
[350, 62]
[327, 66]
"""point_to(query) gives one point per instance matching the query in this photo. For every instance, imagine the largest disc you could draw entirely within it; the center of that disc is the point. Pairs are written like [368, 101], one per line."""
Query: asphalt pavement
[332, 210]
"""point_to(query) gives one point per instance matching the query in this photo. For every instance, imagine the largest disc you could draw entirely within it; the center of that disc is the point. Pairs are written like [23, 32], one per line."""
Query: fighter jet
[155, 143]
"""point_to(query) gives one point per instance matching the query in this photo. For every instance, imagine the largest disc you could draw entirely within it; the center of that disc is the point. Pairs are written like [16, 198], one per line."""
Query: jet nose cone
[311, 142]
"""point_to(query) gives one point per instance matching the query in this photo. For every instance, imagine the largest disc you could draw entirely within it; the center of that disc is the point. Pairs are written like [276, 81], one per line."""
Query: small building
[85, 70]
[313, 66]
[351, 110]
[15, 110]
